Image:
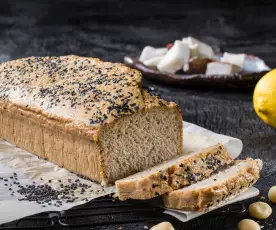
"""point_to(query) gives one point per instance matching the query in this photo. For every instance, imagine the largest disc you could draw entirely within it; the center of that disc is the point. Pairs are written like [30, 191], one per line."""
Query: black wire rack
[104, 212]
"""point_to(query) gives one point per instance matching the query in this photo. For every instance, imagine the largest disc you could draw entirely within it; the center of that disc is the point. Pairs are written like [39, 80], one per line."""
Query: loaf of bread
[217, 188]
[88, 116]
[174, 174]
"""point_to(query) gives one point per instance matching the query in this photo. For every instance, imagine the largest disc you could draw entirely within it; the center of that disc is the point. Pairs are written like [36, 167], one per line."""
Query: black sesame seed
[163, 177]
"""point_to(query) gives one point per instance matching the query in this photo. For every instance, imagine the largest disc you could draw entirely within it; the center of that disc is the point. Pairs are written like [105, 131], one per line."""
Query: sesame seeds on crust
[80, 90]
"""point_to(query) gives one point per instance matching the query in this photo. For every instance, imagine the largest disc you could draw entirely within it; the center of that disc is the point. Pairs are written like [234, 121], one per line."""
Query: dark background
[110, 29]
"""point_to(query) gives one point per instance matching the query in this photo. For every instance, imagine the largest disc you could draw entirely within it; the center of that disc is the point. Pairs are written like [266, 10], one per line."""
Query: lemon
[264, 98]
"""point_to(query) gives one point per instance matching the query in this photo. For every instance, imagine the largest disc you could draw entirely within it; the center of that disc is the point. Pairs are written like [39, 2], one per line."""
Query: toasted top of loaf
[76, 91]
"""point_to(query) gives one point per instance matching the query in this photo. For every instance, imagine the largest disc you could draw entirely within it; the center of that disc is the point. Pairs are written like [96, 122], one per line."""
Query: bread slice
[173, 174]
[89, 116]
[217, 188]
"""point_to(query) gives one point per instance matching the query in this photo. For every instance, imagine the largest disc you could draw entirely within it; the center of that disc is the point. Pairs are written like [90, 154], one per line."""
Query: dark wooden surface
[111, 29]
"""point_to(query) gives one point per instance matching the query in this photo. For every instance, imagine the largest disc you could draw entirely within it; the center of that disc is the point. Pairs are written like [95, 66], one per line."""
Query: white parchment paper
[32, 170]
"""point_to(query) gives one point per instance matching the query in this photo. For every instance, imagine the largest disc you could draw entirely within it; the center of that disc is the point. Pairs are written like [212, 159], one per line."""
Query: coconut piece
[175, 58]
[235, 59]
[221, 68]
[151, 52]
[197, 65]
[153, 62]
[204, 50]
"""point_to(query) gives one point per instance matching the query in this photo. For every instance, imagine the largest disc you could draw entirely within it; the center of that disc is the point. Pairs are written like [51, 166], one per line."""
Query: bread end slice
[210, 192]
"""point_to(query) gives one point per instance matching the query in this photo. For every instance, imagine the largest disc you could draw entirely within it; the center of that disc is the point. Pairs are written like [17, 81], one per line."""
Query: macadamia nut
[247, 224]
[163, 226]
[272, 194]
[260, 210]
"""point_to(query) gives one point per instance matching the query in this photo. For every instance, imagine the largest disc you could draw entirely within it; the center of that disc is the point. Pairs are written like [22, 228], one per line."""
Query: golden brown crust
[180, 174]
[201, 199]
[64, 149]
[71, 91]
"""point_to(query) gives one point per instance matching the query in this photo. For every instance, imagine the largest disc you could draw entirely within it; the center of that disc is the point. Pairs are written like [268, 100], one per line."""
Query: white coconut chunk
[175, 58]
[204, 50]
[254, 64]
[194, 51]
[153, 62]
[194, 48]
[235, 59]
[220, 68]
[151, 52]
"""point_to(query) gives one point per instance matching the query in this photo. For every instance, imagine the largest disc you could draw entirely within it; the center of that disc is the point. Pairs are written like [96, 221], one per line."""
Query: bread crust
[32, 86]
[202, 199]
[180, 174]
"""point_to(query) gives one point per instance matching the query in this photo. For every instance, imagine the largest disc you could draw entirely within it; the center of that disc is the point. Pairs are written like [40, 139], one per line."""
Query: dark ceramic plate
[203, 81]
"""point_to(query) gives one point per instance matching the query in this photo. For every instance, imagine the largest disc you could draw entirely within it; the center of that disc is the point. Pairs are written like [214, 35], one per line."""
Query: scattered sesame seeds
[46, 195]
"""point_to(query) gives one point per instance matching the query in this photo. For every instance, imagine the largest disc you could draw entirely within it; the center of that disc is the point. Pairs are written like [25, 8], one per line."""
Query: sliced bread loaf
[217, 188]
[173, 174]
[88, 116]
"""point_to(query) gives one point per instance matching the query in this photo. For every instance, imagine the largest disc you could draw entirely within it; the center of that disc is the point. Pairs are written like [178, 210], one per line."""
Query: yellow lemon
[264, 98]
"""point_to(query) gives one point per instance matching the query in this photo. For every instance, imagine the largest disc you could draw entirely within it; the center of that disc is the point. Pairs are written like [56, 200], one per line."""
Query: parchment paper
[32, 170]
